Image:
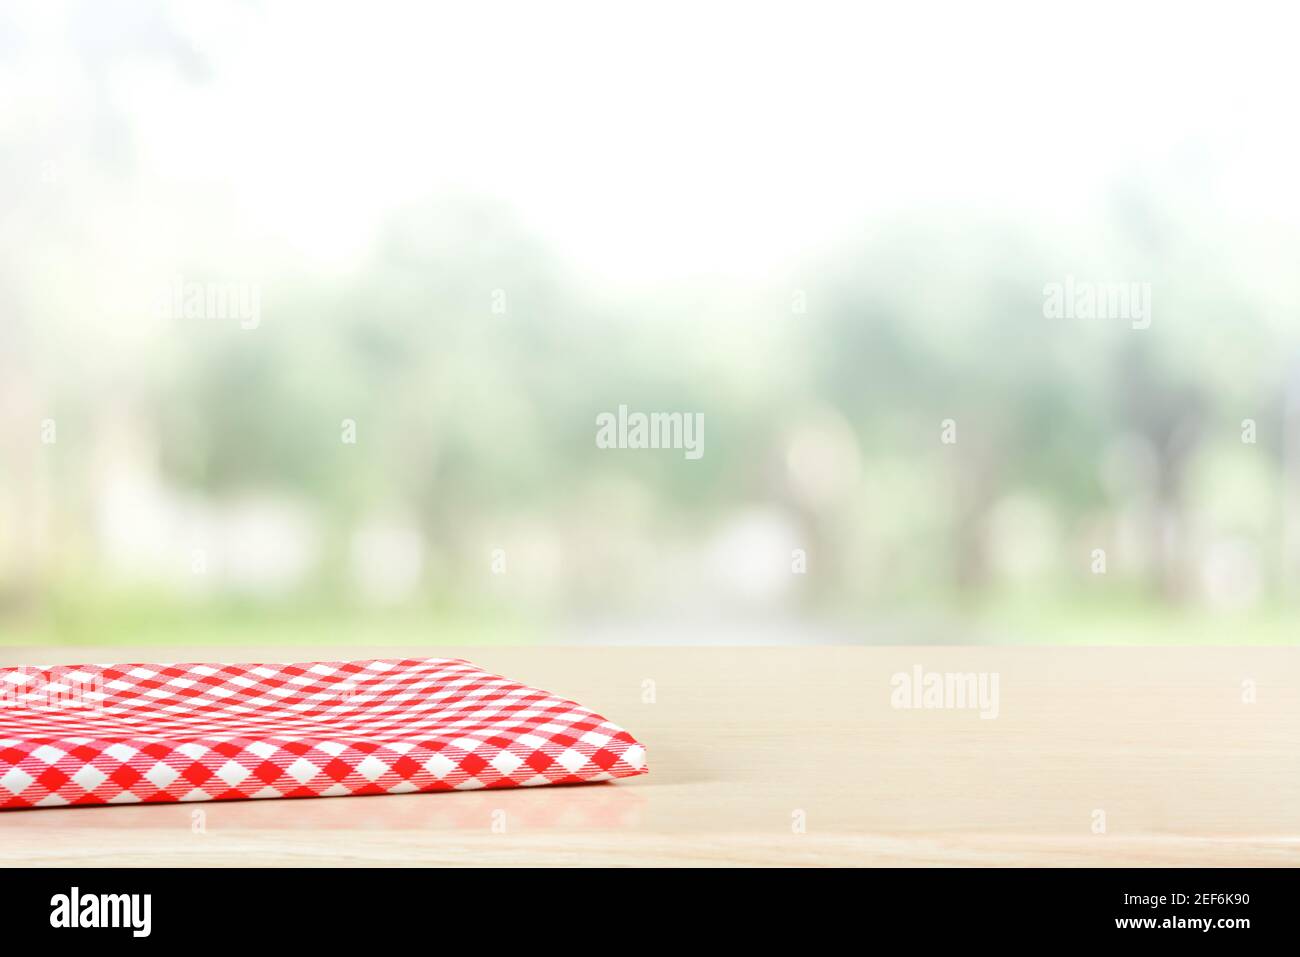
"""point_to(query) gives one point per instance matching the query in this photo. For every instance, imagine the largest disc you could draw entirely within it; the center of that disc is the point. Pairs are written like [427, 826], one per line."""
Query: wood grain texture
[741, 740]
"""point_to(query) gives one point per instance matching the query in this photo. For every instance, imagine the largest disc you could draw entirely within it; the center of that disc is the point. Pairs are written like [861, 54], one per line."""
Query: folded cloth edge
[194, 731]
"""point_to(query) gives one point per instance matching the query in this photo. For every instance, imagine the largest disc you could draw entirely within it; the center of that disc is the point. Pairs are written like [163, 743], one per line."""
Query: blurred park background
[458, 234]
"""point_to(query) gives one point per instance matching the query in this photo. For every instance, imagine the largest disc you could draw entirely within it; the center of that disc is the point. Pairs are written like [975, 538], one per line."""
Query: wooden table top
[796, 755]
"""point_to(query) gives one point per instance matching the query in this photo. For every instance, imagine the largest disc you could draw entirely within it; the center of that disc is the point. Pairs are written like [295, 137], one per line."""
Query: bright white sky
[653, 141]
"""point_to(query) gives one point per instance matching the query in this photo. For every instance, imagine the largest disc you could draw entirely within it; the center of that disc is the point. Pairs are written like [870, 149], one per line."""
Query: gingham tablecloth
[139, 733]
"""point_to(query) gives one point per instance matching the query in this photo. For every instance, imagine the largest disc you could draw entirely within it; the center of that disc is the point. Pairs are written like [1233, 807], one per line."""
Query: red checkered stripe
[141, 733]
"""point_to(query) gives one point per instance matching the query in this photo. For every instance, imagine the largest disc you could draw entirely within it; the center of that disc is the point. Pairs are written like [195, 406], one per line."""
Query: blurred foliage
[473, 356]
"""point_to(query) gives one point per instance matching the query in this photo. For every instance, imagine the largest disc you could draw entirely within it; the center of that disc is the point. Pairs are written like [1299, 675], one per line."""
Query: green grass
[143, 619]
[1134, 622]
[1026, 618]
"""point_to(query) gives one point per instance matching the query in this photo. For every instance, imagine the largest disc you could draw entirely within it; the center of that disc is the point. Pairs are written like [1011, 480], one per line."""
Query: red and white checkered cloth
[138, 733]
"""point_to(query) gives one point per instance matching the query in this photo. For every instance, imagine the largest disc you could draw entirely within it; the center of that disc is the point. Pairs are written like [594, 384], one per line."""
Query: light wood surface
[745, 742]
